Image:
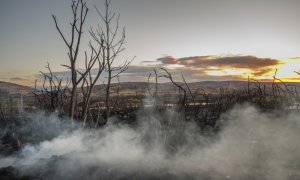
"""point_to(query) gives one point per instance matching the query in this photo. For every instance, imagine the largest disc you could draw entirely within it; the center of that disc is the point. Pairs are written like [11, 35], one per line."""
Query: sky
[202, 39]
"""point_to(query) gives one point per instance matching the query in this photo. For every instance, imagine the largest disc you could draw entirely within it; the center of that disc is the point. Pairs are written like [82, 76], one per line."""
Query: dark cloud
[167, 60]
[204, 64]
[247, 62]
[140, 69]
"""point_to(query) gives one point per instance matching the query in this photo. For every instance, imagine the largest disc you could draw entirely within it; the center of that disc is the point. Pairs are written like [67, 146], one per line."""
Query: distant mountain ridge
[12, 88]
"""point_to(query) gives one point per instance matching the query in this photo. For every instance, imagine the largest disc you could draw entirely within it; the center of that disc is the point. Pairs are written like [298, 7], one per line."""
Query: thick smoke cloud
[250, 145]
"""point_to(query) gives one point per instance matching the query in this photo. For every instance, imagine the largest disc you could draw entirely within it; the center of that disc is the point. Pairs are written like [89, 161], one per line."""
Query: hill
[11, 88]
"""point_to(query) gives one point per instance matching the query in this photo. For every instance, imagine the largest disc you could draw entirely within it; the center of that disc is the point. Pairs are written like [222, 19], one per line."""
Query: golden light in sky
[286, 71]
[243, 73]
[234, 67]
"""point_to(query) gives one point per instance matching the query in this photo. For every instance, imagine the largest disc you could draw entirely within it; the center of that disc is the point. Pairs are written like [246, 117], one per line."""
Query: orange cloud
[238, 66]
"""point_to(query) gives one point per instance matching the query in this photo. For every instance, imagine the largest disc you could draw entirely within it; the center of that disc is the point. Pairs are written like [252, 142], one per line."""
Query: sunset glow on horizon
[286, 71]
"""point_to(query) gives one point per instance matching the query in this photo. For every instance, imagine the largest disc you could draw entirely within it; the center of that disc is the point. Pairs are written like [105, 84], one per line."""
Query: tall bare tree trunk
[79, 10]
[108, 49]
[107, 96]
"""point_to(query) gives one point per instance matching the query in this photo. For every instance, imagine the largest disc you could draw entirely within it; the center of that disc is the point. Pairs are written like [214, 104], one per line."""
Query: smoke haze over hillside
[250, 145]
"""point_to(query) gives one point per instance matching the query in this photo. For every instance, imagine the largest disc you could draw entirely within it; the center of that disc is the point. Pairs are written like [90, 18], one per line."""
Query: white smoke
[250, 145]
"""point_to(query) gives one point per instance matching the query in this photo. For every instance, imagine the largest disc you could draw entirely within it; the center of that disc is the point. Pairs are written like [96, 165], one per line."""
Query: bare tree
[182, 98]
[112, 43]
[79, 10]
[88, 81]
[53, 95]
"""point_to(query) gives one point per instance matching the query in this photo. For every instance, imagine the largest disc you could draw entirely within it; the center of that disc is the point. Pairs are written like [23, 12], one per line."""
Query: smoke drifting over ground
[250, 145]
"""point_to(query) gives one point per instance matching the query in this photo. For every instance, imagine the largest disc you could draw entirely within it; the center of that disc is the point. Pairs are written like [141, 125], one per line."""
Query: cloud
[236, 66]
[251, 62]
[168, 60]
